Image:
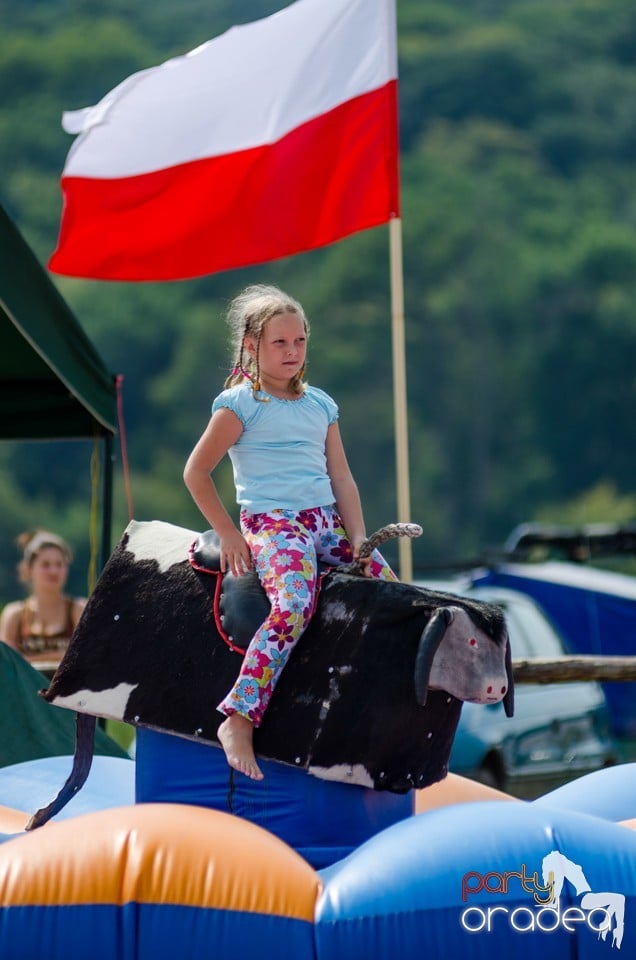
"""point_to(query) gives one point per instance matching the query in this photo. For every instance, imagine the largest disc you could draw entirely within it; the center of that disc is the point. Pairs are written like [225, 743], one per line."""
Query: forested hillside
[518, 141]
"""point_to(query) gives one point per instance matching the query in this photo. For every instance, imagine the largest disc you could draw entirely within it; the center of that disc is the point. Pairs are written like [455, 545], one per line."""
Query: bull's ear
[428, 645]
[509, 699]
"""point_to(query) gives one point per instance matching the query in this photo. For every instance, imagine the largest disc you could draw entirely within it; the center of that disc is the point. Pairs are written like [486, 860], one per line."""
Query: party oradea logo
[601, 913]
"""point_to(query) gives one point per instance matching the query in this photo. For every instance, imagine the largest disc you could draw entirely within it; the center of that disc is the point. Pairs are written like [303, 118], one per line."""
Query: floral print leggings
[287, 546]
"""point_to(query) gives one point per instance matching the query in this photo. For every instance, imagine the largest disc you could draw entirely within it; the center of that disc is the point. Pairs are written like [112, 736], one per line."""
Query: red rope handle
[119, 380]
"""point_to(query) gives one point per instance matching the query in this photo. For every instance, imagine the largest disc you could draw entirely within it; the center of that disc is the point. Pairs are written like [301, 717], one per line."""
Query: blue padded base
[323, 820]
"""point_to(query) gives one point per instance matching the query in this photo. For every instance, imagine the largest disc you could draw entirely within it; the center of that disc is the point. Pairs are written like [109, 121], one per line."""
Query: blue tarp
[595, 610]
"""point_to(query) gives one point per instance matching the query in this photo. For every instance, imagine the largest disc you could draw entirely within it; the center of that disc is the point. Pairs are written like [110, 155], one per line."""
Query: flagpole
[399, 395]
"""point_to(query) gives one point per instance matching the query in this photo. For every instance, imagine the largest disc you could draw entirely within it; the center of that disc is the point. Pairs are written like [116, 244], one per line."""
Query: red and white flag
[274, 138]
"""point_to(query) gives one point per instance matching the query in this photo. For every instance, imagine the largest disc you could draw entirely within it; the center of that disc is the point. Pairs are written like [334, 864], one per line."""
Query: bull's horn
[429, 642]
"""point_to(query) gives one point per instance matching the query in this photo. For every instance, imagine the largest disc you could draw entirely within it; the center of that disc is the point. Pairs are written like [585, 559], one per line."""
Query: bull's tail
[82, 760]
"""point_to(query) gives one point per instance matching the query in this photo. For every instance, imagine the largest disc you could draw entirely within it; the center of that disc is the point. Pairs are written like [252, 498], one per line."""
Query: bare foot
[235, 734]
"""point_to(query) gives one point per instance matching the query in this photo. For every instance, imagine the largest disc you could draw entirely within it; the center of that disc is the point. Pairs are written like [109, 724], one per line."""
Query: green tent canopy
[30, 728]
[53, 383]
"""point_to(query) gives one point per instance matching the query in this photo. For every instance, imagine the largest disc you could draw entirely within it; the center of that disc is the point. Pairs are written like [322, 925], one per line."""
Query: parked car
[559, 731]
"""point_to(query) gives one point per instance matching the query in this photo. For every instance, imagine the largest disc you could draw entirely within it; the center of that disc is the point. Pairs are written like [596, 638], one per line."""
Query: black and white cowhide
[371, 695]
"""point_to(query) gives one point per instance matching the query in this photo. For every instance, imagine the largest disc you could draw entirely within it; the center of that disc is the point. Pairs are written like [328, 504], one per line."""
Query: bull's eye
[473, 642]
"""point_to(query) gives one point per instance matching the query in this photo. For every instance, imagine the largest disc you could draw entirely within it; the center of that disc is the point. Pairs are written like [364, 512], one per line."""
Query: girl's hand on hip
[235, 554]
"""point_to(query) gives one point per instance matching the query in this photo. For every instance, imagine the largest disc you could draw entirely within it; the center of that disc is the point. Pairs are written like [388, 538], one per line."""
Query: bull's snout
[491, 691]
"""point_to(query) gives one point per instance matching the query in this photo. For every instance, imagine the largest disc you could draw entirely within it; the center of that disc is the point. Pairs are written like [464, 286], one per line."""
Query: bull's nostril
[489, 690]
[503, 689]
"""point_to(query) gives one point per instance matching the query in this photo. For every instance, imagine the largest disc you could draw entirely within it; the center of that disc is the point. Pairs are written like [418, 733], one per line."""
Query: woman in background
[41, 626]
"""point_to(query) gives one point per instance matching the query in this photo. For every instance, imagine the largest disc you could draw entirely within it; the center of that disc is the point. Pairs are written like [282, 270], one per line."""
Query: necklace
[286, 398]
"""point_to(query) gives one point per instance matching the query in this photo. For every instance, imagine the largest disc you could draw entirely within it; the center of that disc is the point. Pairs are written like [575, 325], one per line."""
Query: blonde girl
[299, 503]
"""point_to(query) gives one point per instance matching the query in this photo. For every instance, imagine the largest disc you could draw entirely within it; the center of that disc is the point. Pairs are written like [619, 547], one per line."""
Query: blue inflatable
[608, 793]
[471, 881]
[30, 785]
[156, 880]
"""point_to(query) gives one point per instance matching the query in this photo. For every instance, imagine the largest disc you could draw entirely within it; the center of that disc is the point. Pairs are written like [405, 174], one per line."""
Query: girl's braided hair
[247, 315]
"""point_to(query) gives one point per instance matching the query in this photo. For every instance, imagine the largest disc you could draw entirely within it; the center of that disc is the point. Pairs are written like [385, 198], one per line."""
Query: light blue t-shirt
[279, 460]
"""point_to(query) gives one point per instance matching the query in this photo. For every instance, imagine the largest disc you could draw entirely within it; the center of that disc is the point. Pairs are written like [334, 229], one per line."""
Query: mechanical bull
[371, 694]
